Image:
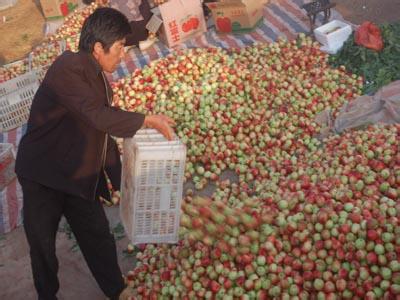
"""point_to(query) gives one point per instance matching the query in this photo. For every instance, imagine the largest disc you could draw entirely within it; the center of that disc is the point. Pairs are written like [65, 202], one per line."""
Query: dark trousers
[43, 208]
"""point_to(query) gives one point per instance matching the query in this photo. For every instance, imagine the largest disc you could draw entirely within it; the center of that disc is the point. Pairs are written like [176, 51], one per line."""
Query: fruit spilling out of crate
[151, 193]
[14, 69]
[209, 220]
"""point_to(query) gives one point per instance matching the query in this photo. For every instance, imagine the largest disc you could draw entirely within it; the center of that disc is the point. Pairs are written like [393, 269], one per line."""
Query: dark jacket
[68, 126]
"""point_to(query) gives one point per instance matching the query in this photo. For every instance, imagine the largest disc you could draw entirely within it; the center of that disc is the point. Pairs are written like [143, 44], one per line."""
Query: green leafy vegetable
[377, 68]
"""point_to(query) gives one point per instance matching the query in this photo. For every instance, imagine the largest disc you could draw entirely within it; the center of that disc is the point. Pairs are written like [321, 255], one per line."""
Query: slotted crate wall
[15, 107]
[18, 83]
[16, 97]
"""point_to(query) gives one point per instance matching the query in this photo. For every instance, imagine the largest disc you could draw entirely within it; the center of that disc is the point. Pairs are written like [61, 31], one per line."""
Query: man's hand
[159, 2]
[101, 2]
[162, 124]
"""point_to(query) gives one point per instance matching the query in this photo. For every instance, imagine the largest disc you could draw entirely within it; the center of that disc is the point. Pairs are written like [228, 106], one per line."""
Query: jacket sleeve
[113, 163]
[72, 90]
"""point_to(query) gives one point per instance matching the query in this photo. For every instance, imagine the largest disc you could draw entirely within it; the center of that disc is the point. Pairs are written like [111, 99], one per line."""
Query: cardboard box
[57, 8]
[182, 20]
[236, 15]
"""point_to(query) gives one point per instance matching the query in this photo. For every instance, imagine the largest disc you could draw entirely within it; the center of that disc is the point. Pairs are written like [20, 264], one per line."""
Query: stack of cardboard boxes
[184, 19]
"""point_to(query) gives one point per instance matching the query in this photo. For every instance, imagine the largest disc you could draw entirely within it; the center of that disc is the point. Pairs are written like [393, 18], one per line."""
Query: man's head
[103, 34]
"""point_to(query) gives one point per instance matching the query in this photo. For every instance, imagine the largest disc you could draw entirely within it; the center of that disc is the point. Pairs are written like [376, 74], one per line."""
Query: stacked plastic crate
[15, 101]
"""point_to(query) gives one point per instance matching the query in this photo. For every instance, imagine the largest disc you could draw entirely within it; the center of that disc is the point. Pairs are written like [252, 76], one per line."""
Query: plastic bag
[383, 107]
[369, 35]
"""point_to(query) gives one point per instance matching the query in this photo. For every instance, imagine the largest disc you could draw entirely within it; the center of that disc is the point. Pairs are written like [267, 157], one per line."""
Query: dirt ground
[21, 28]
[76, 282]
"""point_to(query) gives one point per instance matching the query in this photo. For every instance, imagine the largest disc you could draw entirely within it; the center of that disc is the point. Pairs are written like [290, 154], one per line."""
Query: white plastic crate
[333, 34]
[7, 164]
[15, 107]
[152, 184]
[17, 83]
[40, 73]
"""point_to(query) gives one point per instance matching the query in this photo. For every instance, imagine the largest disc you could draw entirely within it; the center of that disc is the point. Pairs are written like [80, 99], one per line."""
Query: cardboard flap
[170, 8]
[225, 4]
[243, 2]
[253, 5]
[231, 1]
[175, 9]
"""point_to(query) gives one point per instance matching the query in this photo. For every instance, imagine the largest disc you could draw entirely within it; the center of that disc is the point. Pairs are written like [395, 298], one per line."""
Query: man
[138, 13]
[67, 149]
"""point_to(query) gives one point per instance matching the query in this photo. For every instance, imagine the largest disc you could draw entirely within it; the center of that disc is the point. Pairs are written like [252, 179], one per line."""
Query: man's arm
[72, 91]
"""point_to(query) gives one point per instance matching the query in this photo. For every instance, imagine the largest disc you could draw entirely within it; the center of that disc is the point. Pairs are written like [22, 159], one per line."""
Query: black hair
[106, 25]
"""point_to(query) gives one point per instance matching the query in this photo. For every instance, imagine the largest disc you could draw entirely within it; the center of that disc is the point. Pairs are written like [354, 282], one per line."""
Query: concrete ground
[377, 11]
[75, 278]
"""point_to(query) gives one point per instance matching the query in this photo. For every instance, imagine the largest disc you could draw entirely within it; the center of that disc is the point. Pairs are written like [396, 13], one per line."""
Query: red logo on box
[224, 24]
[237, 13]
[191, 24]
[174, 31]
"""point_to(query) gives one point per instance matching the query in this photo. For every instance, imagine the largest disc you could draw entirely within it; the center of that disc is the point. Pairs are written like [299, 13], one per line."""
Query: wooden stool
[313, 8]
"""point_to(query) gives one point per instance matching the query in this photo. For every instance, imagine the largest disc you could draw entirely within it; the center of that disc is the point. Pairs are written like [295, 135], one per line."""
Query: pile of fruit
[306, 218]
[233, 108]
[13, 70]
[44, 54]
[71, 28]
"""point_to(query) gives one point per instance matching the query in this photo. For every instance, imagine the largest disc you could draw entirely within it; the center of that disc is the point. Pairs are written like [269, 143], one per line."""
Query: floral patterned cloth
[130, 8]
